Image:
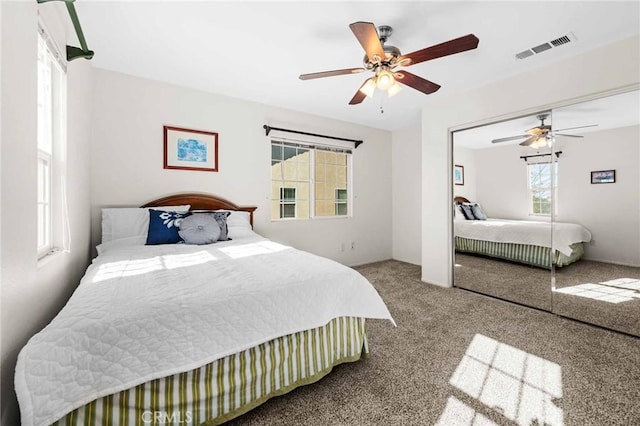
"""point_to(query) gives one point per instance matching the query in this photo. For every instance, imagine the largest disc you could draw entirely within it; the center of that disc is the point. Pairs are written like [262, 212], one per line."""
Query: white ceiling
[608, 113]
[256, 50]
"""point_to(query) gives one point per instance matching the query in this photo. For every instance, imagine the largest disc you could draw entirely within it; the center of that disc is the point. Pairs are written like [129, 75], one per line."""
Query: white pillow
[125, 222]
[239, 219]
[236, 218]
[458, 216]
[121, 243]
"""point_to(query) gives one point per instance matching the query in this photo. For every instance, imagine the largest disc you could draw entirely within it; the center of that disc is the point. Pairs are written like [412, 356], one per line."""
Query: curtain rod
[557, 154]
[269, 129]
[74, 52]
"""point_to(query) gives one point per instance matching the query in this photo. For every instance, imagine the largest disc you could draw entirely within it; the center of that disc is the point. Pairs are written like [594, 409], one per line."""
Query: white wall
[127, 150]
[466, 157]
[609, 211]
[502, 182]
[406, 192]
[33, 293]
[599, 70]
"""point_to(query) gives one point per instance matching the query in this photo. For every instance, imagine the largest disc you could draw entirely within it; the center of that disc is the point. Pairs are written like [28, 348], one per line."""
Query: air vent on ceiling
[560, 41]
[524, 54]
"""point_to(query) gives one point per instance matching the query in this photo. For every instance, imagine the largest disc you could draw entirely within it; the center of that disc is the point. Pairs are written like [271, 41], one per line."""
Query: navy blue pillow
[467, 211]
[477, 212]
[164, 227]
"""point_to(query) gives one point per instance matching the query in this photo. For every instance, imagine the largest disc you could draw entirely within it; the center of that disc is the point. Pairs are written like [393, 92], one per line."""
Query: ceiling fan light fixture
[541, 142]
[385, 79]
[369, 87]
[394, 89]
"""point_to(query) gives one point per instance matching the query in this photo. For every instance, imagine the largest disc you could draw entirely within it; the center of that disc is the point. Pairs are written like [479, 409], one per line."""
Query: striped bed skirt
[522, 253]
[231, 386]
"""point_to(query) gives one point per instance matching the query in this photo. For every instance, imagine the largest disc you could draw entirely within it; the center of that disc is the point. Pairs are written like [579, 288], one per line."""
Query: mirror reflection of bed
[573, 247]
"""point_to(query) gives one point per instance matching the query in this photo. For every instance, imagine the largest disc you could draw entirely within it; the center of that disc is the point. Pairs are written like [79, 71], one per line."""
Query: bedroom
[114, 139]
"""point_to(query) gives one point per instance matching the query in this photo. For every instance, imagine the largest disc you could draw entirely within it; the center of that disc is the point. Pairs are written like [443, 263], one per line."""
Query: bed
[526, 242]
[193, 334]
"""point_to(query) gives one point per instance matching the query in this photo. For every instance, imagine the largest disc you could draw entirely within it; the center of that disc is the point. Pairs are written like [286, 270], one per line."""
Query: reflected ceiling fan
[542, 135]
[383, 59]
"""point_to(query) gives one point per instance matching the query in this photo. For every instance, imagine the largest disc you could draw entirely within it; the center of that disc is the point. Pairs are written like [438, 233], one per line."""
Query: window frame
[341, 201]
[313, 149]
[51, 116]
[553, 189]
[284, 201]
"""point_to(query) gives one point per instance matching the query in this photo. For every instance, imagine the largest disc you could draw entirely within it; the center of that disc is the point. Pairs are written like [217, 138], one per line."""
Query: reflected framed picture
[187, 149]
[458, 174]
[603, 176]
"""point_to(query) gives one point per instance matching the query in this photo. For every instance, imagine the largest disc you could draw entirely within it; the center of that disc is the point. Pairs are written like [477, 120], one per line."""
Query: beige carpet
[460, 358]
[599, 293]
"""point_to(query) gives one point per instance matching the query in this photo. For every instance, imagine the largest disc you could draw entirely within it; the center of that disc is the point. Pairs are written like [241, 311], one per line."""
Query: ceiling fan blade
[359, 96]
[418, 83]
[579, 127]
[564, 134]
[529, 141]
[450, 47]
[367, 35]
[322, 74]
[510, 138]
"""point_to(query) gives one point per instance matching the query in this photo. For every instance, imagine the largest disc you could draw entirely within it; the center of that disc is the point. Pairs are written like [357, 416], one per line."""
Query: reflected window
[540, 178]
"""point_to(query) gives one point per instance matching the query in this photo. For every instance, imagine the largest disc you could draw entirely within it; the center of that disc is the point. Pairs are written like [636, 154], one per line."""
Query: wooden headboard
[200, 202]
[459, 200]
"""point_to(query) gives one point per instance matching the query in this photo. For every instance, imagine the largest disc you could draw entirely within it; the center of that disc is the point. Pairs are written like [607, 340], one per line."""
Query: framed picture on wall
[458, 175]
[187, 149]
[603, 176]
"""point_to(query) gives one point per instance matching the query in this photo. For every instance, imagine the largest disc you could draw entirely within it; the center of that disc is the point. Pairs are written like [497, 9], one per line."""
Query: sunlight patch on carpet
[516, 384]
[612, 291]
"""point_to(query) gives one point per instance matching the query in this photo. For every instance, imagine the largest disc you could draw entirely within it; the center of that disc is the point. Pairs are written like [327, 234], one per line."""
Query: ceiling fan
[383, 59]
[542, 135]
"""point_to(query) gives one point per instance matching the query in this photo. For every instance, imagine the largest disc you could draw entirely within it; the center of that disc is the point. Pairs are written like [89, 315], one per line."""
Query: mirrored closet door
[598, 201]
[547, 211]
[502, 222]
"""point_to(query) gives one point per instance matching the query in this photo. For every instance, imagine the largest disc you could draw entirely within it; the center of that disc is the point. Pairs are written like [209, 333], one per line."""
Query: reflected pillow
[164, 227]
[477, 211]
[467, 211]
[457, 213]
[199, 229]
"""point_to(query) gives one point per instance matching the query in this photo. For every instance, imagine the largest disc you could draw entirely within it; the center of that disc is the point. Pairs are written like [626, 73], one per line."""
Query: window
[287, 202]
[540, 187]
[50, 146]
[341, 202]
[309, 181]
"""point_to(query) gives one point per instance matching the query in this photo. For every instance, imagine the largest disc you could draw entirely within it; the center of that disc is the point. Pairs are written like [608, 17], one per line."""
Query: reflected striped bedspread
[522, 253]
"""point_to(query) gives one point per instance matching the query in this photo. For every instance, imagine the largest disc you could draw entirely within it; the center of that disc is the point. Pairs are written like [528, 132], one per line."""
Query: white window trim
[311, 146]
[554, 189]
[57, 238]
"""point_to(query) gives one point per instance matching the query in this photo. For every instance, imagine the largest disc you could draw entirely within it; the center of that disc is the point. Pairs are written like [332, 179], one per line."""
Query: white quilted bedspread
[145, 312]
[524, 232]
